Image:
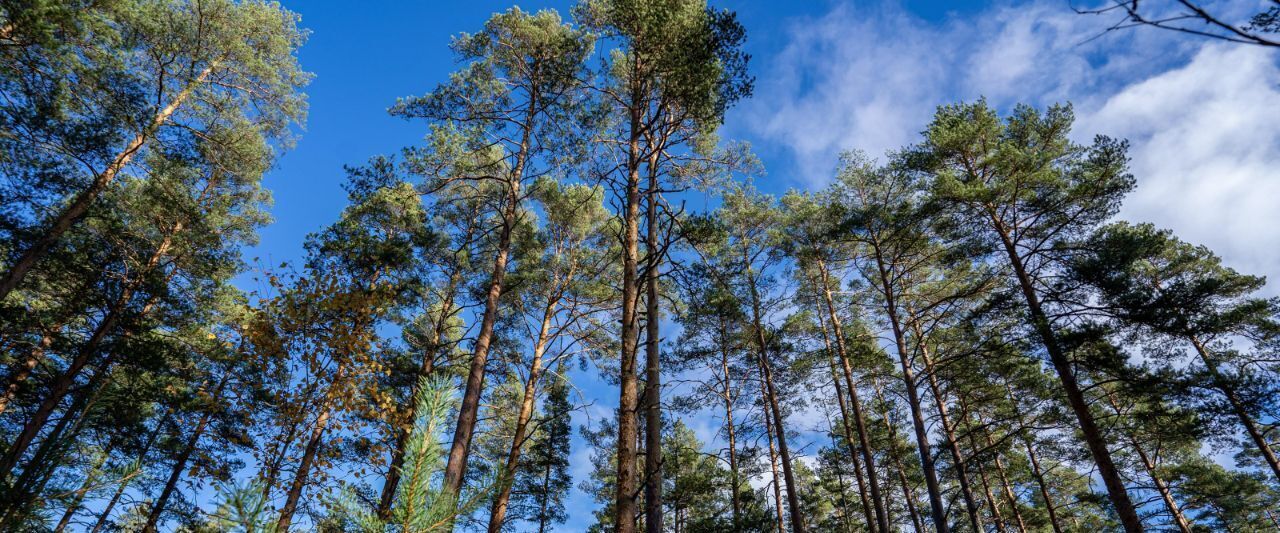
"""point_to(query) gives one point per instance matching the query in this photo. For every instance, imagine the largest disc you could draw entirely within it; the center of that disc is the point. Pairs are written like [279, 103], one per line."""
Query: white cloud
[1206, 152]
[1202, 117]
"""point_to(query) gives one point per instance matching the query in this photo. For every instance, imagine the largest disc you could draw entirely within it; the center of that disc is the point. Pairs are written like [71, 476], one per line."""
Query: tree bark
[625, 507]
[1008, 488]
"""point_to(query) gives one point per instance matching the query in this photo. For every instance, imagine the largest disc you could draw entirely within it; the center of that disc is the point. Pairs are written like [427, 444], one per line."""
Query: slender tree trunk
[625, 496]
[949, 433]
[938, 511]
[308, 458]
[908, 493]
[392, 479]
[23, 373]
[735, 482]
[847, 423]
[1036, 472]
[1008, 487]
[78, 498]
[80, 205]
[1246, 420]
[996, 516]
[276, 463]
[780, 521]
[544, 500]
[860, 424]
[498, 511]
[843, 503]
[793, 495]
[468, 411]
[180, 464]
[105, 516]
[1162, 487]
[653, 366]
[1093, 436]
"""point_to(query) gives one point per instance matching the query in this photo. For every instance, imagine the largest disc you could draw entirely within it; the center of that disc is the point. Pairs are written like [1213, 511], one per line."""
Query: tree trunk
[392, 479]
[105, 516]
[1008, 488]
[1246, 420]
[653, 366]
[908, 493]
[1162, 487]
[180, 464]
[72, 214]
[468, 411]
[793, 495]
[773, 460]
[625, 495]
[1049, 506]
[498, 511]
[938, 511]
[308, 458]
[854, 449]
[78, 498]
[882, 515]
[1093, 437]
[23, 373]
[949, 433]
[735, 498]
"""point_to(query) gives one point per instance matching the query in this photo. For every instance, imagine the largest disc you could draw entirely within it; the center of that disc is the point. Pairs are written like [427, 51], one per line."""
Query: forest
[961, 335]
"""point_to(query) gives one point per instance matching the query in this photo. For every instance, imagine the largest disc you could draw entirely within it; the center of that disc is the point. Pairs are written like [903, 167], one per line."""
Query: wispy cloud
[1201, 116]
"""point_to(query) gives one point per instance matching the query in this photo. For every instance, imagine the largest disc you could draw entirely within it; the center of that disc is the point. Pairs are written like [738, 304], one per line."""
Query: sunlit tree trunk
[498, 511]
[74, 211]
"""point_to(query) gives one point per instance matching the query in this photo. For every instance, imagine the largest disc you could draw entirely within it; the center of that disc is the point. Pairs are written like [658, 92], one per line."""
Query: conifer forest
[573, 297]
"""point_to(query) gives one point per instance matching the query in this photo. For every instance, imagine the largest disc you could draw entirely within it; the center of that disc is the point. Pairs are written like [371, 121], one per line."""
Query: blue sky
[832, 76]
